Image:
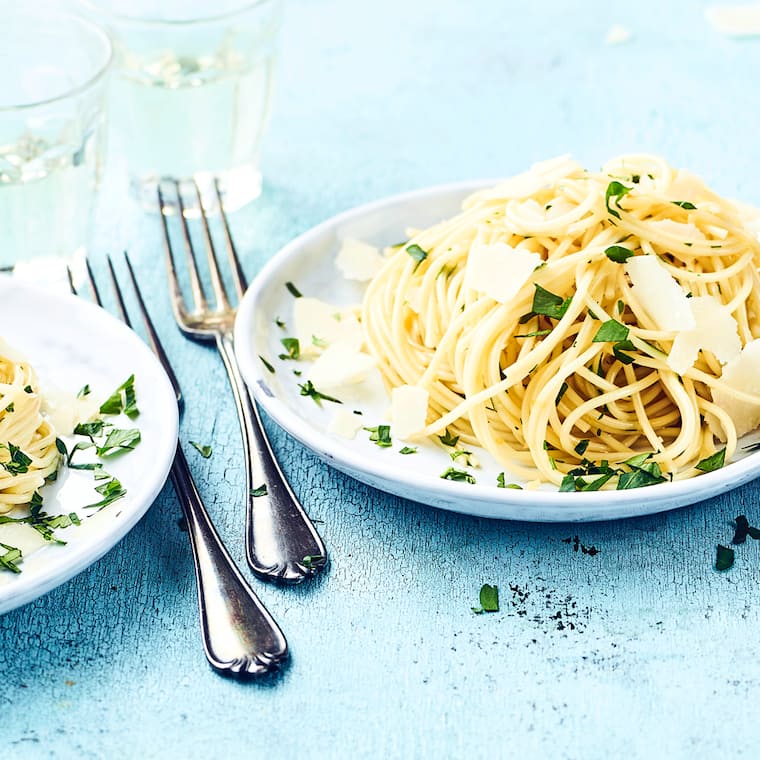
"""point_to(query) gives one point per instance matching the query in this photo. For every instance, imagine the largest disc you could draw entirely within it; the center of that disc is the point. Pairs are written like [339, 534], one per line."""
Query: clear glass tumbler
[191, 90]
[52, 135]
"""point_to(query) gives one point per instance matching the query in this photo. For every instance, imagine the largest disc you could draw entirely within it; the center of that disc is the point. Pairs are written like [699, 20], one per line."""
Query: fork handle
[239, 636]
[281, 542]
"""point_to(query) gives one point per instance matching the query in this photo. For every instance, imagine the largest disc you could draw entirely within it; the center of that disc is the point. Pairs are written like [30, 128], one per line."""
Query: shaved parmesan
[319, 324]
[661, 297]
[358, 261]
[66, 411]
[741, 374]
[540, 175]
[716, 331]
[340, 364]
[684, 232]
[686, 186]
[408, 410]
[735, 20]
[498, 270]
[345, 423]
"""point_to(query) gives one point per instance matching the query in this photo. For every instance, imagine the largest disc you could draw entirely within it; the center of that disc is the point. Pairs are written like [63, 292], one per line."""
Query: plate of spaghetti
[88, 430]
[562, 345]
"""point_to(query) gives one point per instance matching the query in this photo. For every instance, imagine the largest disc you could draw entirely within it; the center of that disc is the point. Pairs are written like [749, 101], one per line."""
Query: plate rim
[554, 506]
[34, 582]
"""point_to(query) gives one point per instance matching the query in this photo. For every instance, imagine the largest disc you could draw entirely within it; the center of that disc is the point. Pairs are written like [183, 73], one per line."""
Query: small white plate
[308, 262]
[71, 343]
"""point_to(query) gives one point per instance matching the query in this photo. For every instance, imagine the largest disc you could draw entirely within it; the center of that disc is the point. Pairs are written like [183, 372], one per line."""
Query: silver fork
[240, 637]
[281, 542]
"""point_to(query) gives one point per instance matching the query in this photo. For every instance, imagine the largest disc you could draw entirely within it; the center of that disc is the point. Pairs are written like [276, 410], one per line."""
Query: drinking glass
[52, 129]
[191, 90]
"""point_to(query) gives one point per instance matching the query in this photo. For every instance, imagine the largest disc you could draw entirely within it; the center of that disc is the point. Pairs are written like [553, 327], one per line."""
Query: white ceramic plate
[308, 262]
[71, 343]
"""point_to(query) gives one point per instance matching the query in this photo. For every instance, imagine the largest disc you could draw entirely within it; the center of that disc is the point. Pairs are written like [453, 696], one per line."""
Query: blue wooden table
[640, 650]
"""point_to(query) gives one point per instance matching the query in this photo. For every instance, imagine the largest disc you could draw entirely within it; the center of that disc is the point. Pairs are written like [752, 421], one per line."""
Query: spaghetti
[566, 371]
[28, 452]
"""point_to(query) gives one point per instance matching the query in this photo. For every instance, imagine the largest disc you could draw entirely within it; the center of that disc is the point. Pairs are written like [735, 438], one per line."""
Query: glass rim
[97, 8]
[89, 82]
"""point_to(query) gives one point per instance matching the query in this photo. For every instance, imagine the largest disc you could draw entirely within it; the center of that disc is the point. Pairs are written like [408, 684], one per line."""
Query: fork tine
[117, 291]
[199, 296]
[222, 304]
[238, 276]
[91, 282]
[177, 301]
[70, 278]
[151, 331]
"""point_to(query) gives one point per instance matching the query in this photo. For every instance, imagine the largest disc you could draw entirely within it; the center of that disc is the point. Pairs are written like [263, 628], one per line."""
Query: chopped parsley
[117, 441]
[714, 462]
[260, 491]
[310, 560]
[615, 191]
[489, 599]
[293, 290]
[110, 491]
[408, 450]
[381, 435]
[266, 364]
[417, 253]
[501, 483]
[685, 204]
[203, 450]
[279, 323]
[308, 389]
[123, 399]
[560, 393]
[83, 391]
[591, 476]
[744, 529]
[724, 558]
[548, 304]
[611, 331]
[447, 439]
[18, 463]
[10, 557]
[28, 389]
[618, 253]
[458, 475]
[293, 348]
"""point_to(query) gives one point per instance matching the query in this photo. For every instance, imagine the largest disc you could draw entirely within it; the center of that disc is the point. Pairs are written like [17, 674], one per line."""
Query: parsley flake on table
[744, 529]
[724, 558]
[489, 599]
[203, 450]
[310, 559]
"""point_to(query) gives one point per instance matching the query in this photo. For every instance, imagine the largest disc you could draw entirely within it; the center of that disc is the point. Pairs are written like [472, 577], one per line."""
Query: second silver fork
[240, 637]
[282, 543]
